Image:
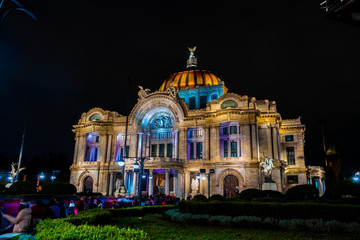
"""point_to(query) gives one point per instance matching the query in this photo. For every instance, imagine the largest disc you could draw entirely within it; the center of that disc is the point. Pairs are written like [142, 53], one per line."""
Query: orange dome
[190, 79]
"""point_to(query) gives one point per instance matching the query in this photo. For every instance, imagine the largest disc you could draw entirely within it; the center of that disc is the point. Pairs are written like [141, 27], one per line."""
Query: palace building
[195, 136]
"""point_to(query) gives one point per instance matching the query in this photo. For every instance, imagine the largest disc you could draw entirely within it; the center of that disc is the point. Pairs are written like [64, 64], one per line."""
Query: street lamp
[211, 171]
[139, 167]
[53, 177]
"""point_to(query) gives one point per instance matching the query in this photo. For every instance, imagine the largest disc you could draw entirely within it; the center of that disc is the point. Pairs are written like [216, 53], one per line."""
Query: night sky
[79, 55]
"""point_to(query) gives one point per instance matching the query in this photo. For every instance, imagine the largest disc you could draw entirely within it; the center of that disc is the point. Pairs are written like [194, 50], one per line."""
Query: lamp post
[138, 167]
[211, 171]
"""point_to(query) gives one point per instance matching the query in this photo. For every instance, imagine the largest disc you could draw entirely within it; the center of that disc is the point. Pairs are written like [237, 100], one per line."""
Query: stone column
[182, 144]
[108, 152]
[111, 185]
[76, 149]
[175, 146]
[151, 182]
[254, 137]
[147, 151]
[102, 148]
[167, 181]
[180, 185]
[275, 143]
[134, 186]
[81, 148]
[187, 183]
[215, 142]
[132, 145]
[207, 143]
[139, 147]
[175, 184]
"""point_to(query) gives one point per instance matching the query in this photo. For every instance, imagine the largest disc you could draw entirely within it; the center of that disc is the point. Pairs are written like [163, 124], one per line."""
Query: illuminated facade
[190, 125]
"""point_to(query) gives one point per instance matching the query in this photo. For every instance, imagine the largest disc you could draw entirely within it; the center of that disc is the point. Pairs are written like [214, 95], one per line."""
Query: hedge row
[63, 230]
[313, 225]
[309, 210]
[140, 211]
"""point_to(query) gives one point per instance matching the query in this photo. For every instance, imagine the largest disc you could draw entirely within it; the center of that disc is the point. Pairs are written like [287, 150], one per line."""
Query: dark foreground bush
[60, 229]
[273, 194]
[22, 188]
[343, 189]
[302, 192]
[2, 188]
[59, 188]
[199, 197]
[89, 194]
[307, 210]
[249, 194]
[216, 197]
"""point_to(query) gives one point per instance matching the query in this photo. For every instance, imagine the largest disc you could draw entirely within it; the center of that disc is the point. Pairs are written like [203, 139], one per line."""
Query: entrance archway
[88, 184]
[230, 184]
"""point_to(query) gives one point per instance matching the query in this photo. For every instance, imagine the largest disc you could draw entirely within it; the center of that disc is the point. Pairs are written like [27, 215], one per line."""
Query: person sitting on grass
[91, 204]
[21, 222]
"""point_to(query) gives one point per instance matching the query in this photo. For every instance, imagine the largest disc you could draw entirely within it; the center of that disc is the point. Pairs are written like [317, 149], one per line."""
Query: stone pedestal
[269, 185]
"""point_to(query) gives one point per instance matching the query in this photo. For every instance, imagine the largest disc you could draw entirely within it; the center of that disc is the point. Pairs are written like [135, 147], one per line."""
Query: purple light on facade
[159, 170]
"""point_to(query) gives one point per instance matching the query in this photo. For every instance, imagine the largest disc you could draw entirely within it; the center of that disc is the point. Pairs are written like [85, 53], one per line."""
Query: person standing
[22, 221]
[80, 205]
[91, 204]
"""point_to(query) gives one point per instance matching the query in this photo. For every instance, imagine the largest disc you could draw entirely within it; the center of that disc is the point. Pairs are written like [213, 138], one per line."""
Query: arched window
[202, 101]
[95, 117]
[214, 96]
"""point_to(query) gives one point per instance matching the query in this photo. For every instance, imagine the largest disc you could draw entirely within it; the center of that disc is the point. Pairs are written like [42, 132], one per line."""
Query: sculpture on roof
[142, 93]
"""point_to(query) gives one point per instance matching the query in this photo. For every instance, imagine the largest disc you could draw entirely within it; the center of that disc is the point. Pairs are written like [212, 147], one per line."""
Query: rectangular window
[233, 148]
[233, 130]
[290, 153]
[225, 131]
[191, 150]
[153, 150]
[161, 150]
[226, 149]
[202, 101]
[199, 150]
[169, 150]
[292, 179]
[289, 138]
[97, 139]
[192, 103]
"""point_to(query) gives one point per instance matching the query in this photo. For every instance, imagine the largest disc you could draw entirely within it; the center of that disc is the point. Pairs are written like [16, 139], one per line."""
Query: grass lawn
[158, 228]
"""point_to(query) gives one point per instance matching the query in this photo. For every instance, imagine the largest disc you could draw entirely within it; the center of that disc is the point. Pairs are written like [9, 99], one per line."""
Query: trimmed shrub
[305, 210]
[22, 188]
[60, 229]
[91, 217]
[313, 225]
[92, 194]
[249, 194]
[343, 189]
[273, 194]
[216, 197]
[140, 211]
[59, 188]
[199, 197]
[302, 192]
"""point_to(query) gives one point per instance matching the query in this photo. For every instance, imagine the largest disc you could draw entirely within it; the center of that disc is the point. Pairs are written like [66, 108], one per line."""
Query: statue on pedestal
[194, 186]
[268, 166]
